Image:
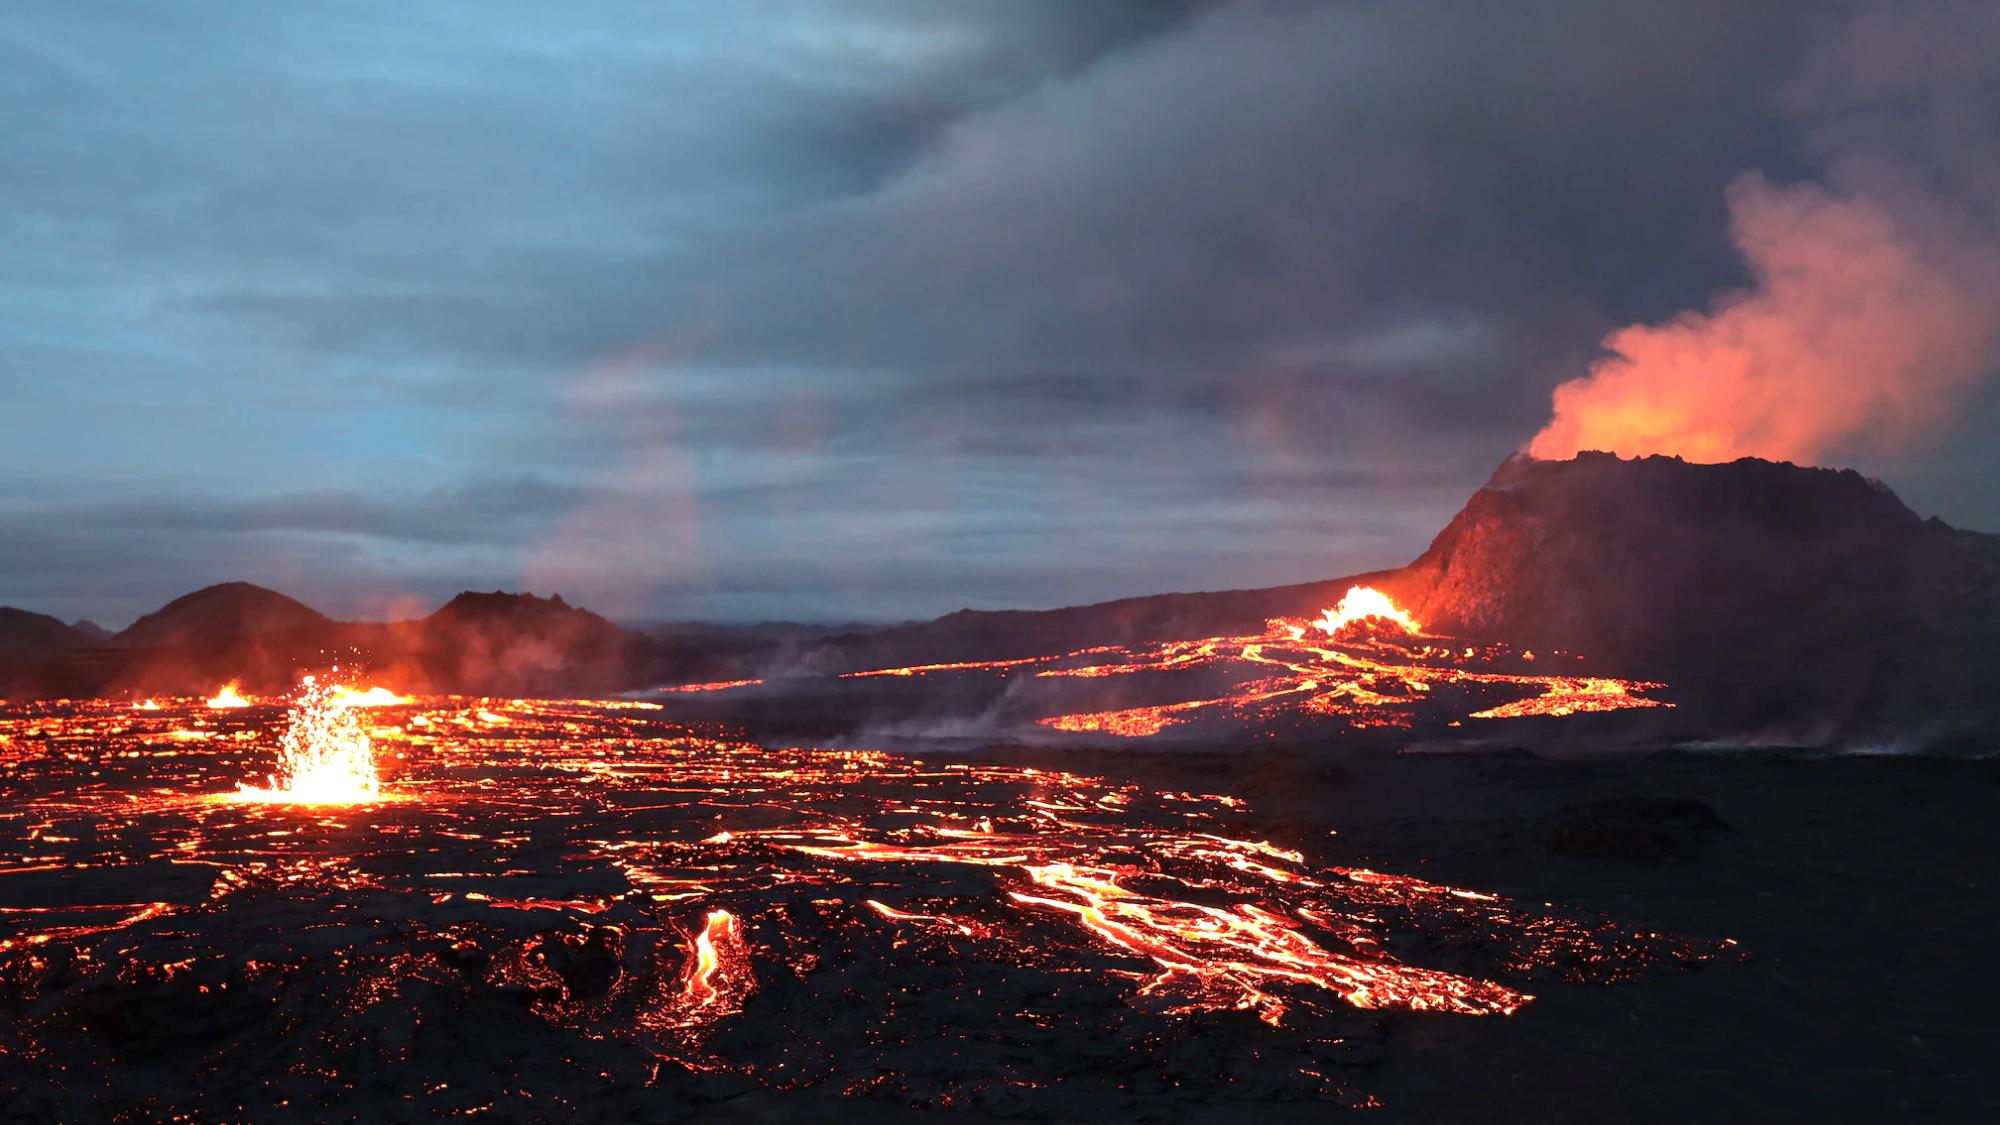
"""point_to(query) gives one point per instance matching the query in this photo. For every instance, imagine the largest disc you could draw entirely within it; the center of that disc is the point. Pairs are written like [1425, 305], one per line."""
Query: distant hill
[519, 644]
[215, 613]
[92, 629]
[33, 635]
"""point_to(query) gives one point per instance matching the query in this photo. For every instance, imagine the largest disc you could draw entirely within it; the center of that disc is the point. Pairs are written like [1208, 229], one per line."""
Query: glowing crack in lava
[326, 757]
[717, 977]
[675, 900]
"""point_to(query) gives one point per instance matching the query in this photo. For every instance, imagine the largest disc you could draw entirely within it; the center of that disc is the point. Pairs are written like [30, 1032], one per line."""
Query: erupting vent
[326, 758]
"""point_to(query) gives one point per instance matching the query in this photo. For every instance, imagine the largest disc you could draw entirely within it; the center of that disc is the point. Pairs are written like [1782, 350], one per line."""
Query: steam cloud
[1872, 311]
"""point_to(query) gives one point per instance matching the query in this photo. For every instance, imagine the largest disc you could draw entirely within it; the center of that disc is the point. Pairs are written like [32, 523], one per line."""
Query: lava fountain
[326, 757]
[228, 698]
[1361, 603]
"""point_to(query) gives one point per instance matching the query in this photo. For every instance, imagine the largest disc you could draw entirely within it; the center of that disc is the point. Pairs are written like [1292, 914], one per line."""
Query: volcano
[1805, 603]
[1772, 592]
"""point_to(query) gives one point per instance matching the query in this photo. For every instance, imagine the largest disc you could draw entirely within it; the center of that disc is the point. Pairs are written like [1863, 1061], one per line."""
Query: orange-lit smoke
[1856, 334]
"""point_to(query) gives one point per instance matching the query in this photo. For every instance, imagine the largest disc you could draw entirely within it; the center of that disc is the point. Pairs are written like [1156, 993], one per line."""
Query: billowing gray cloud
[863, 308]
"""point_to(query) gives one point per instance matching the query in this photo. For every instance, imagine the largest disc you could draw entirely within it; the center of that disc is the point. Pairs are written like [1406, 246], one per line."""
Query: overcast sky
[867, 309]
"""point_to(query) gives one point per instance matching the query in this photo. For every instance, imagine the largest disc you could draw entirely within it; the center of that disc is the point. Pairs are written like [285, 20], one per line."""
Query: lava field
[577, 910]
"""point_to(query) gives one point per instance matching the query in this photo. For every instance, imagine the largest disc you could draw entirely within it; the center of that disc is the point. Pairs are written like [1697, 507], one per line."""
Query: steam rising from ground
[1874, 303]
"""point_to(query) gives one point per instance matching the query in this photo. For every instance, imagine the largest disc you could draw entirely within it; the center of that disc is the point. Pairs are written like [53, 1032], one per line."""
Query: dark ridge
[92, 630]
[231, 609]
[1011, 634]
[500, 605]
[25, 635]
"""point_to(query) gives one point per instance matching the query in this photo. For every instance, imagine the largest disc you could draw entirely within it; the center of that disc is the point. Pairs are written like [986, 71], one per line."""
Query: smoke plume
[1872, 310]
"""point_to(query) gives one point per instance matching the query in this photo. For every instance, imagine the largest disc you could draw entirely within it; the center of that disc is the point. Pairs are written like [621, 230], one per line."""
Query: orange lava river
[675, 908]
[1362, 664]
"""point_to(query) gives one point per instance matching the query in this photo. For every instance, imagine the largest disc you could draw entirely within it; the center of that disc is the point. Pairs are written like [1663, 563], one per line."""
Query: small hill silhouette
[34, 635]
[521, 644]
[215, 613]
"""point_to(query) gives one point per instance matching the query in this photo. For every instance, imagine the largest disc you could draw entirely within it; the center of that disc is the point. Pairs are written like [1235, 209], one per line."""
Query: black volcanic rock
[25, 635]
[232, 609]
[1632, 829]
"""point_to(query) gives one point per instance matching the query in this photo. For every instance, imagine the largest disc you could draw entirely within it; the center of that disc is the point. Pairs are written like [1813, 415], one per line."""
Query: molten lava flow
[1213, 956]
[228, 697]
[1361, 603]
[1375, 667]
[373, 697]
[715, 980]
[326, 757]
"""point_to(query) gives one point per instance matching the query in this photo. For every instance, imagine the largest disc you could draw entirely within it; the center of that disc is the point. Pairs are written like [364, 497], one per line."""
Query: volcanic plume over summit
[1872, 308]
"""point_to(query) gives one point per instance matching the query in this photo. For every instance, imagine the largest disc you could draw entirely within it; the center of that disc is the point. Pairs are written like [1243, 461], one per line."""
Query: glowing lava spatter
[326, 757]
[228, 697]
[1360, 604]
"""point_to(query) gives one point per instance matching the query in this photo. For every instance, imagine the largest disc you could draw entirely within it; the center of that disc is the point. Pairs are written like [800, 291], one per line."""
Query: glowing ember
[228, 697]
[326, 757]
[1361, 604]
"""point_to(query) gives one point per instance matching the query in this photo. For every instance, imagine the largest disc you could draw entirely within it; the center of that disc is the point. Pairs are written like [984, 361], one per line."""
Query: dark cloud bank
[880, 309]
